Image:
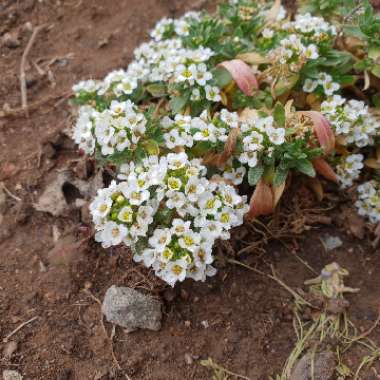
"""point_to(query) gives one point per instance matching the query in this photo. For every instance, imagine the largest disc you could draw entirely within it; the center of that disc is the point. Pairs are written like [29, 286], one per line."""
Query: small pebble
[188, 359]
[10, 41]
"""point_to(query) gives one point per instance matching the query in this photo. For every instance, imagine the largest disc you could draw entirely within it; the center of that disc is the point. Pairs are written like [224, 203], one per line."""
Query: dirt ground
[240, 319]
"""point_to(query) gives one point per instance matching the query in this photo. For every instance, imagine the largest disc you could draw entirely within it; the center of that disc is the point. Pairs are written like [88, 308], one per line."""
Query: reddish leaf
[324, 169]
[242, 75]
[322, 130]
[262, 201]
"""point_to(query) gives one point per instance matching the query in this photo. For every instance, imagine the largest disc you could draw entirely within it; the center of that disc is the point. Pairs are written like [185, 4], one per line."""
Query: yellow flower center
[177, 269]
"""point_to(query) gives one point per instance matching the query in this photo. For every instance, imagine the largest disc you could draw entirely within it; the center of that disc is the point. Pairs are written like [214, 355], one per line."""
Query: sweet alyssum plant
[248, 94]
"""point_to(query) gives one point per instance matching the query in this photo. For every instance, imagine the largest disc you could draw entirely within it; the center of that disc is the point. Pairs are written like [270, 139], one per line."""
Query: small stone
[331, 242]
[9, 349]
[27, 27]
[11, 375]
[187, 324]
[188, 359]
[131, 309]
[42, 266]
[10, 41]
[205, 324]
[324, 366]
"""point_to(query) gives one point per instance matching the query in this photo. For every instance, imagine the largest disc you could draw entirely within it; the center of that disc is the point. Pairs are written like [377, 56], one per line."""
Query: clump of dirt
[239, 318]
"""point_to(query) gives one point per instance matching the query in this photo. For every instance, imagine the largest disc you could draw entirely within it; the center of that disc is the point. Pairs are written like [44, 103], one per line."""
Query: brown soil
[240, 319]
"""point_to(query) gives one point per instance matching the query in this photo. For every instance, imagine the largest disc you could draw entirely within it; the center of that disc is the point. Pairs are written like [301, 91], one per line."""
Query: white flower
[175, 200]
[160, 239]
[195, 187]
[173, 139]
[249, 157]
[309, 85]
[148, 257]
[126, 214]
[174, 183]
[127, 86]
[209, 203]
[330, 87]
[253, 141]
[177, 160]
[202, 76]
[213, 93]
[207, 132]
[276, 135]
[181, 27]
[186, 73]
[180, 227]
[311, 52]
[86, 86]
[189, 240]
[195, 95]
[230, 118]
[174, 271]
[145, 215]
[236, 176]
[112, 234]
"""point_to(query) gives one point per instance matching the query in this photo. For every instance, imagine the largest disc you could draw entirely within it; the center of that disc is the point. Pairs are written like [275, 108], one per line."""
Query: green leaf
[178, 103]
[306, 167]
[280, 176]
[221, 77]
[157, 90]
[254, 175]
[279, 114]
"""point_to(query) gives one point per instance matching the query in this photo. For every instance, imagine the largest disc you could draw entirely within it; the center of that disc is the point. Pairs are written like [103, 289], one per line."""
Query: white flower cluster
[82, 134]
[115, 129]
[259, 136]
[315, 27]
[368, 203]
[325, 81]
[180, 27]
[351, 119]
[179, 244]
[119, 127]
[186, 131]
[292, 49]
[161, 60]
[349, 169]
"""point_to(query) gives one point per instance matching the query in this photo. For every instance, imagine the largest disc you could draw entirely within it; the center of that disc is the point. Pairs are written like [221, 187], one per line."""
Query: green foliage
[254, 174]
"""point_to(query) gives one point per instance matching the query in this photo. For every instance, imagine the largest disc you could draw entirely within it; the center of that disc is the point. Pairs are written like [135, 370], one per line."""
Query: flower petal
[242, 75]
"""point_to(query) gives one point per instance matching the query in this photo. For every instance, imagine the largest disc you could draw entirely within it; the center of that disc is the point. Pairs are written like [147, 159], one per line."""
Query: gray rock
[331, 242]
[324, 367]
[130, 309]
[10, 41]
[11, 375]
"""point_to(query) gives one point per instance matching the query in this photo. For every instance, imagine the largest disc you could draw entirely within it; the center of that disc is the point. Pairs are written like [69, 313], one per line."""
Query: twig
[33, 106]
[16, 198]
[5, 340]
[24, 99]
